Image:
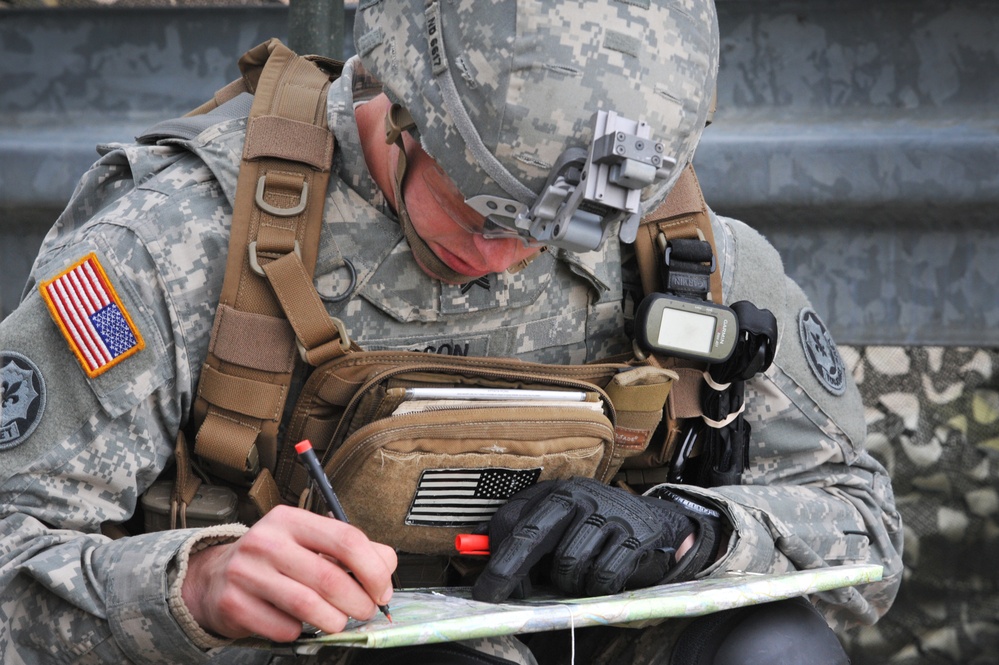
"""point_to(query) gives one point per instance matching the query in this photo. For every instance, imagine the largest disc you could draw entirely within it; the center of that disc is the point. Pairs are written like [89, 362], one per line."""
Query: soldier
[498, 93]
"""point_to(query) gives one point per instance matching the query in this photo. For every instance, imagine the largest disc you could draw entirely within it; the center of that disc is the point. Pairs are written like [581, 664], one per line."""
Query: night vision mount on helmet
[587, 192]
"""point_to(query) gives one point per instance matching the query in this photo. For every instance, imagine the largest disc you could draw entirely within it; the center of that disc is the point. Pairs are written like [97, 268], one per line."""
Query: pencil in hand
[308, 457]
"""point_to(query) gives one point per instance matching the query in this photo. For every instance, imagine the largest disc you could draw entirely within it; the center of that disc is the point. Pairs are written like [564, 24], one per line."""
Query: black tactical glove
[603, 539]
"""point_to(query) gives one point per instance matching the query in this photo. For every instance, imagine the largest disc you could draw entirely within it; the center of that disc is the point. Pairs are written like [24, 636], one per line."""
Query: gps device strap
[675, 250]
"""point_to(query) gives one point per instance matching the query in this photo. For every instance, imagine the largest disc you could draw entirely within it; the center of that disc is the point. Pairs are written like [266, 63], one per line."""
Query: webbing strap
[222, 95]
[244, 396]
[277, 216]
[683, 215]
[252, 340]
[185, 485]
[321, 336]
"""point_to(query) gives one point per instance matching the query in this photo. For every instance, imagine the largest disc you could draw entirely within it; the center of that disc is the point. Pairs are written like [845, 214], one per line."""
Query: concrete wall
[860, 139]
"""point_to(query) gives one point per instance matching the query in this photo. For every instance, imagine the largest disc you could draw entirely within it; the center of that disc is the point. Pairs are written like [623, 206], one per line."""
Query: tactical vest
[270, 320]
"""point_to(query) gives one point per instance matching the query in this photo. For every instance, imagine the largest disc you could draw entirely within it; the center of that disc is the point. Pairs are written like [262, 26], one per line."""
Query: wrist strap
[705, 549]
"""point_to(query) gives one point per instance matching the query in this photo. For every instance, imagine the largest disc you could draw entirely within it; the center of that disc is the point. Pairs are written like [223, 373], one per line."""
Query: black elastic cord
[724, 435]
[725, 447]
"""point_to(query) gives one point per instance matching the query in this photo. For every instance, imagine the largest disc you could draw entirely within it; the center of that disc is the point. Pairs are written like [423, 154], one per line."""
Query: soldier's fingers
[535, 535]
[575, 553]
[303, 603]
[241, 614]
[371, 563]
[388, 556]
[227, 589]
[328, 580]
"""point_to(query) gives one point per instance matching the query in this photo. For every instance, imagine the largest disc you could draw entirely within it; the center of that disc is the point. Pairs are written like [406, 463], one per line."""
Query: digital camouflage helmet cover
[557, 120]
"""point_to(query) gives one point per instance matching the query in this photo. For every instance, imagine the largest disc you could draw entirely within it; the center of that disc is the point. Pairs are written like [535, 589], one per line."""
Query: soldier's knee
[789, 632]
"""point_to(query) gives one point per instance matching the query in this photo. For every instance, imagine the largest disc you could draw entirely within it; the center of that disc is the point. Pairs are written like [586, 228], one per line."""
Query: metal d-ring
[303, 198]
[350, 288]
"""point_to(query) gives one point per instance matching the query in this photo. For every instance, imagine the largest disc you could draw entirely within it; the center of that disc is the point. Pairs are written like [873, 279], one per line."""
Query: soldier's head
[556, 122]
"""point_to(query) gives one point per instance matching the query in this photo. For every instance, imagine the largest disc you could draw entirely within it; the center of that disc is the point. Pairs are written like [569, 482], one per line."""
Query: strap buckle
[397, 120]
[688, 264]
[251, 250]
[326, 350]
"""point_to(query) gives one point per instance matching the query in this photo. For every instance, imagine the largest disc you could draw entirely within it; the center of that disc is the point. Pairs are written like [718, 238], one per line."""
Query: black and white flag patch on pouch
[23, 398]
[465, 497]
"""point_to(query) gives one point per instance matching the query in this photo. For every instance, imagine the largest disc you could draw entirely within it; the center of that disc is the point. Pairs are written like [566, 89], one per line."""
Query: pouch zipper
[374, 441]
[485, 371]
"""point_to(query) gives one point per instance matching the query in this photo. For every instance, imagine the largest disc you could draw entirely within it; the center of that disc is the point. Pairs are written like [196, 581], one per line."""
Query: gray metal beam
[316, 26]
[861, 139]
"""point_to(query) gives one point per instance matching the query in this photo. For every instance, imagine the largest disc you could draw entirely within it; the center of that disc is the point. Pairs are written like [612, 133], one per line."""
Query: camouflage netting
[933, 420]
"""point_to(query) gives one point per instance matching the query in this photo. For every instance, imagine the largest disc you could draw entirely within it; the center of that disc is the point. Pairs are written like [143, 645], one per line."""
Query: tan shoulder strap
[222, 95]
[269, 311]
[683, 214]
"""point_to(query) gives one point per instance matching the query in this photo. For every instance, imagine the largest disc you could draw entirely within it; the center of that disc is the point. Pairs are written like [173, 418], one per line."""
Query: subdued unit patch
[23, 398]
[821, 353]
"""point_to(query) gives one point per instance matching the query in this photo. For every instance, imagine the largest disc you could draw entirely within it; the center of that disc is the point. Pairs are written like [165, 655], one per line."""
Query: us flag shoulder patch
[91, 316]
[465, 497]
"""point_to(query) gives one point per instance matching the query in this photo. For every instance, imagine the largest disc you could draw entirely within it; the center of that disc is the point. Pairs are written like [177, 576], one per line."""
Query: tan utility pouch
[413, 473]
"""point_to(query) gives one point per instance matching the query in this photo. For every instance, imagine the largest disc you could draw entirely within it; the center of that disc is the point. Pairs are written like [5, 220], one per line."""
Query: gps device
[691, 329]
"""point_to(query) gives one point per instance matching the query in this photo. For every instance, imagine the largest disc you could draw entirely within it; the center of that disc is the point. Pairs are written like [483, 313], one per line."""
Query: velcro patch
[91, 316]
[465, 497]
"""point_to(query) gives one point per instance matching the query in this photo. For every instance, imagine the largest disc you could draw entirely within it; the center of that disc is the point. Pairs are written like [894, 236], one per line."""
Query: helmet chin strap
[398, 120]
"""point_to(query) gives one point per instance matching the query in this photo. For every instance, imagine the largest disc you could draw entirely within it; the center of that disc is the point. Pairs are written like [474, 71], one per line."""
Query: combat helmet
[556, 119]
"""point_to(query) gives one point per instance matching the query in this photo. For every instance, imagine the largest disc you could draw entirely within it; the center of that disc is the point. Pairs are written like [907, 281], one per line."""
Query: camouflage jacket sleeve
[101, 415]
[812, 495]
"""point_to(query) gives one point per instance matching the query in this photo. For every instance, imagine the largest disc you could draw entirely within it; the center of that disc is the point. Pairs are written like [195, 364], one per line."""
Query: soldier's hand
[602, 539]
[290, 567]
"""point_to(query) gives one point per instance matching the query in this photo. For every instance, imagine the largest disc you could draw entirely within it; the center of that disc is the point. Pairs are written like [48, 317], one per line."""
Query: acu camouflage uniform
[157, 218]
